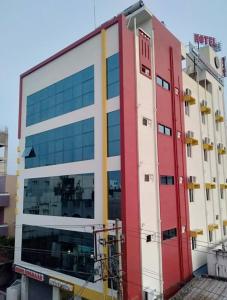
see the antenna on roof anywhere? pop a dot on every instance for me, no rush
(94, 14)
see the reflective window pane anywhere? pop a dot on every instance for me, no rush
(73, 142)
(113, 82)
(114, 192)
(67, 196)
(63, 251)
(71, 93)
(113, 131)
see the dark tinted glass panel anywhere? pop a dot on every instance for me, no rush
(74, 142)
(113, 123)
(63, 251)
(167, 180)
(170, 180)
(169, 234)
(71, 93)
(166, 85)
(68, 196)
(114, 192)
(163, 83)
(113, 85)
(159, 80)
(167, 131)
(161, 128)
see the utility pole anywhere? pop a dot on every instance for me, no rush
(118, 250)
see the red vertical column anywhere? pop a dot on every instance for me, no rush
(129, 166)
(174, 210)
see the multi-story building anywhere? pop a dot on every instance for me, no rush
(8, 192)
(103, 137)
(3, 151)
(205, 149)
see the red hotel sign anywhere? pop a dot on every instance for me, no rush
(29, 273)
(205, 40)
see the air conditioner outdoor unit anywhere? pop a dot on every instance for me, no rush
(188, 92)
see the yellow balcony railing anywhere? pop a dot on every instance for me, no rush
(193, 185)
(205, 109)
(208, 147)
(191, 141)
(210, 186)
(196, 232)
(219, 118)
(212, 227)
(221, 151)
(223, 186)
(189, 99)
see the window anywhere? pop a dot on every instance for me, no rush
(148, 177)
(208, 194)
(163, 83)
(71, 93)
(164, 129)
(64, 251)
(203, 118)
(167, 180)
(219, 158)
(29, 152)
(74, 142)
(191, 195)
(113, 124)
(189, 150)
(210, 235)
(114, 195)
(187, 108)
(205, 153)
(148, 238)
(224, 229)
(144, 54)
(146, 121)
(222, 193)
(113, 83)
(194, 243)
(169, 234)
(67, 196)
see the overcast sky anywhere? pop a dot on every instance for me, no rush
(31, 31)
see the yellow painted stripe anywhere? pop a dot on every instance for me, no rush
(90, 294)
(104, 158)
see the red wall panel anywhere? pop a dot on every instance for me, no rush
(129, 166)
(176, 254)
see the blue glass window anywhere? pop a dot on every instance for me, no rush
(73, 142)
(114, 195)
(71, 93)
(113, 124)
(68, 196)
(64, 251)
(113, 84)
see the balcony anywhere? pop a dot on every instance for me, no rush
(4, 199)
(4, 230)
